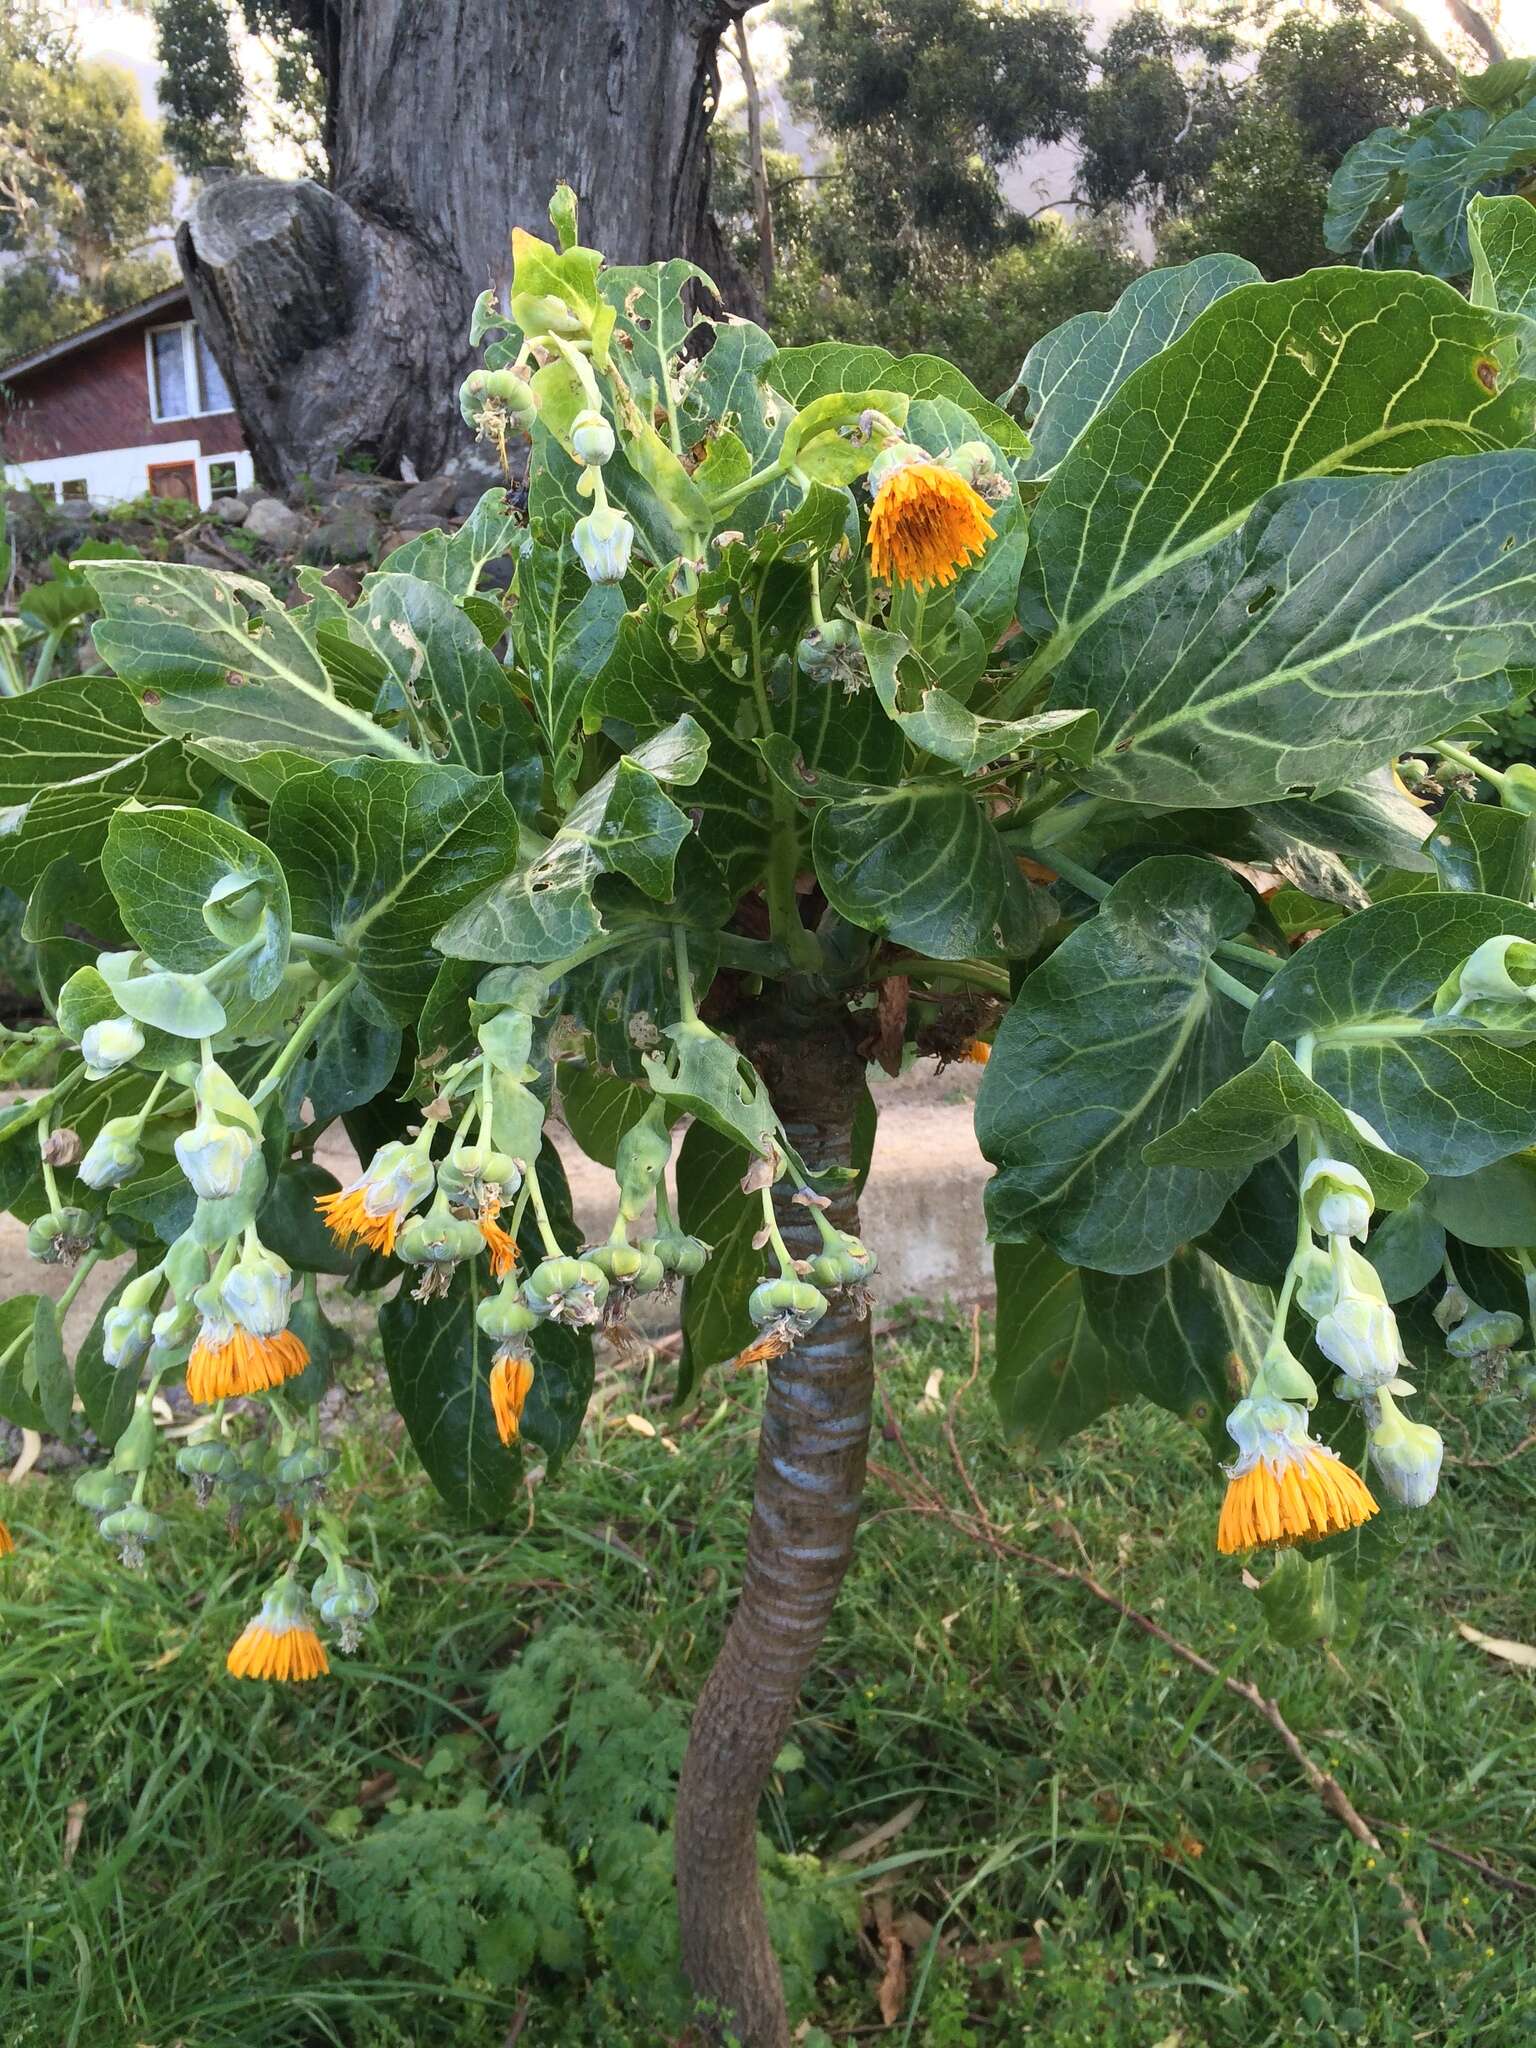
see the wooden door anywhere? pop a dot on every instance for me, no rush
(173, 480)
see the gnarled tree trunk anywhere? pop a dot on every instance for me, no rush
(810, 1478)
(340, 315)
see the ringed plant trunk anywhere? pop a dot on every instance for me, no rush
(810, 1479)
(339, 314)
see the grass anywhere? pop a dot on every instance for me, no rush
(1114, 1851)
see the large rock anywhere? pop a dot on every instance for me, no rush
(277, 524)
(350, 534)
(229, 511)
(427, 502)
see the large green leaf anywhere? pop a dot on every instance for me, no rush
(1186, 1335)
(439, 1365)
(461, 698)
(1463, 152)
(711, 1205)
(1347, 619)
(1502, 235)
(1452, 1096)
(727, 390)
(1113, 1040)
(190, 886)
(647, 300)
(922, 865)
(70, 754)
(625, 824)
(1495, 1207)
(1349, 373)
(202, 665)
(566, 626)
(19, 1394)
(1260, 1111)
(455, 560)
(1072, 371)
(806, 374)
(380, 853)
(1484, 848)
(1365, 181)
(1053, 1376)
(599, 1108)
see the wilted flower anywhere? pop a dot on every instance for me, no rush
(244, 1345)
(369, 1210)
(280, 1643)
(511, 1379)
(927, 523)
(1284, 1486)
(7, 1541)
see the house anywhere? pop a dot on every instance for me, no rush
(134, 403)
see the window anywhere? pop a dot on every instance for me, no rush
(74, 487)
(210, 379)
(221, 480)
(184, 379)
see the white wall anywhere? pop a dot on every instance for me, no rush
(115, 474)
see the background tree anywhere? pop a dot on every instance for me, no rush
(340, 311)
(84, 187)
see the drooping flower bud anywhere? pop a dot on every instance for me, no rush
(101, 1489)
(505, 1317)
(1406, 1456)
(369, 1210)
(346, 1599)
(61, 1237)
(1317, 1284)
(109, 1045)
(1337, 1199)
(126, 1335)
(207, 1464)
(113, 1155)
(845, 1262)
(258, 1291)
(603, 540)
(784, 1298)
(214, 1156)
(678, 1252)
(1483, 1330)
(437, 1242)
(1360, 1337)
(592, 439)
(1282, 1374)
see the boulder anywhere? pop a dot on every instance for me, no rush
(229, 511)
(424, 504)
(270, 520)
(350, 534)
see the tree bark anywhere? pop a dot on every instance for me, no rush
(810, 1478)
(340, 316)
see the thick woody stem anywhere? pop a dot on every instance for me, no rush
(810, 1478)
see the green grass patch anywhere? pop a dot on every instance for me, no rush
(470, 1820)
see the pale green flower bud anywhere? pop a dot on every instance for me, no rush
(795, 1300)
(592, 439)
(113, 1155)
(214, 1156)
(1337, 1199)
(126, 1335)
(1406, 1457)
(258, 1292)
(61, 1237)
(566, 1290)
(1502, 969)
(111, 1044)
(438, 1238)
(1360, 1337)
(1282, 1374)
(505, 1316)
(678, 1252)
(603, 541)
(1317, 1285)
(101, 1489)
(131, 1527)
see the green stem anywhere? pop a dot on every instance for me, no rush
(303, 1032)
(52, 641)
(76, 1282)
(1471, 764)
(684, 976)
(775, 1239)
(541, 1215)
(722, 503)
(1229, 985)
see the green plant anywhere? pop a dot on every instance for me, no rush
(1402, 195)
(766, 784)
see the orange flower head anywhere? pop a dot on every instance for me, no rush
(501, 1245)
(1284, 1487)
(927, 524)
(281, 1642)
(370, 1209)
(227, 1360)
(7, 1541)
(511, 1378)
(975, 1052)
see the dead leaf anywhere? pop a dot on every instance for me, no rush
(891, 1994)
(74, 1827)
(929, 1403)
(890, 1034)
(1501, 1647)
(640, 1424)
(887, 1831)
